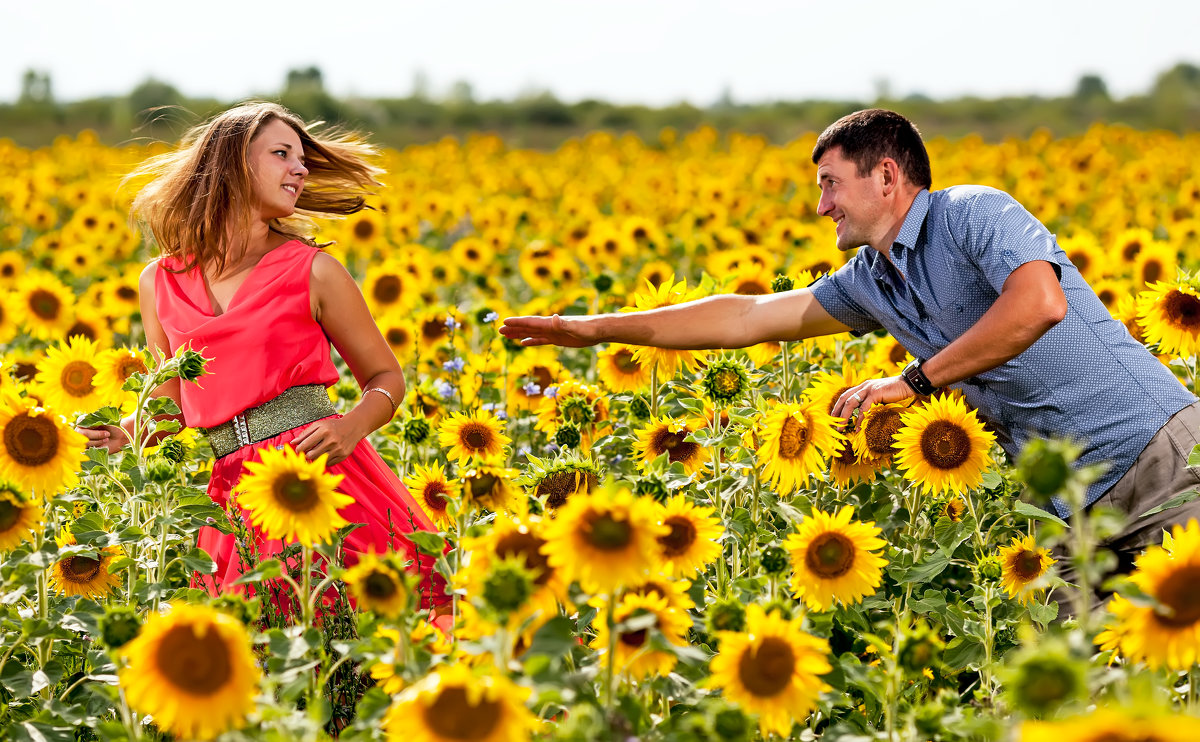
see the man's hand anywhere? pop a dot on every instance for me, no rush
(553, 330)
(873, 391)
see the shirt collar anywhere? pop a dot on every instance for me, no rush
(913, 222)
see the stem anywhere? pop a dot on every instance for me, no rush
(305, 583)
(787, 373)
(610, 681)
(985, 672)
(654, 390)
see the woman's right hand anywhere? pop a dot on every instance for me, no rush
(112, 437)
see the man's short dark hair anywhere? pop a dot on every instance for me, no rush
(866, 137)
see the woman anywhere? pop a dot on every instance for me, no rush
(240, 281)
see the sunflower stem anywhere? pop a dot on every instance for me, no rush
(305, 584)
(1193, 677)
(985, 672)
(610, 680)
(654, 391)
(787, 373)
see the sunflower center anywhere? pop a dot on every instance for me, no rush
(1178, 593)
(945, 445)
(76, 378)
(127, 367)
(528, 547)
(80, 568)
(364, 230)
(45, 304)
(24, 370)
(727, 382)
(674, 445)
(194, 662)
(750, 287)
(294, 493)
(833, 400)
(9, 515)
(82, 328)
(30, 441)
(681, 537)
(396, 337)
(1027, 565)
(1131, 249)
(476, 436)
(1081, 261)
(880, 429)
(634, 639)
(897, 354)
(453, 716)
(380, 586)
(607, 533)
(562, 484)
(387, 289)
(830, 555)
(623, 360)
(767, 670)
(1183, 311)
(433, 330)
(126, 293)
(1151, 271)
(434, 495)
(482, 484)
(793, 438)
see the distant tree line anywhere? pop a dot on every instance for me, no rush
(157, 110)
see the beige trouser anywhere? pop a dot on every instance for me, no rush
(1159, 473)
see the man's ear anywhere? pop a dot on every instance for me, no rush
(889, 175)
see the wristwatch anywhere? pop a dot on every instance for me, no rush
(917, 379)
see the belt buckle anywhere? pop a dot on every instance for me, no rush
(241, 430)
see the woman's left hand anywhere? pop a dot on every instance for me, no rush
(328, 436)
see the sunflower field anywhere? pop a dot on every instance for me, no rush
(642, 544)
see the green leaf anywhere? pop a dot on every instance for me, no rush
(1043, 614)
(1175, 501)
(36, 731)
(1033, 512)
(991, 479)
(949, 534)
(264, 570)
(1194, 458)
(102, 416)
(933, 566)
(555, 638)
(198, 560)
(961, 652)
(162, 406)
(427, 542)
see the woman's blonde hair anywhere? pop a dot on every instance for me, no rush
(198, 201)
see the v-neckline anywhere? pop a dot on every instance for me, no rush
(237, 293)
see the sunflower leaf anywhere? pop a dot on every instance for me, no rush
(1174, 502)
(103, 416)
(427, 542)
(962, 652)
(949, 534)
(1033, 512)
(268, 569)
(933, 566)
(1194, 457)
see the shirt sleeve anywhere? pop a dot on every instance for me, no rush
(836, 292)
(999, 236)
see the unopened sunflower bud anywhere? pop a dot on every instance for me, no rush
(507, 586)
(990, 568)
(119, 625)
(159, 469)
(727, 614)
(1045, 466)
(347, 391)
(725, 380)
(652, 487)
(774, 560)
(639, 407)
(781, 608)
(782, 283)
(731, 724)
(173, 449)
(191, 365)
(568, 436)
(416, 431)
(603, 283)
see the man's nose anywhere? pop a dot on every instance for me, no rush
(825, 205)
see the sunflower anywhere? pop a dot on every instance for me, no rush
(1166, 633)
(1155, 262)
(634, 655)
(292, 498)
(619, 371)
(65, 379)
(530, 375)
(519, 538)
(432, 492)
(555, 482)
(667, 361)
(388, 672)
(1113, 725)
(694, 538)
(847, 469)
(888, 357)
(454, 704)
(488, 486)
(773, 669)
(605, 540)
(826, 387)
(12, 267)
(665, 436)
(574, 403)
(479, 435)
(93, 327)
(8, 323)
(473, 254)
(832, 559)
(874, 436)
(1085, 253)
(655, 273)
(675, 590)
(400, 335)
(387, 287)
(192, 670)
(113, 369)
(44, 306)
(1169, 315)
(82, 574)
(1128, 244)
(377, 586)
(796, 437)
(943, 446)
(1024, 563)
(18, 517)
(40, 452)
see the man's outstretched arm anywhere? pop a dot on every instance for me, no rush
(725, 321)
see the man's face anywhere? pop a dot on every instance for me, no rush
(855, 203)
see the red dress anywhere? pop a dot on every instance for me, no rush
(265, 342)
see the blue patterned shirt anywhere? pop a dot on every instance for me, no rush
(1086, 378)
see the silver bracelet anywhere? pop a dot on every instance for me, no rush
(385, 393)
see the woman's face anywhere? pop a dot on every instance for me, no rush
(277, 169)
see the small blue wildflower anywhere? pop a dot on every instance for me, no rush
(531, 389)
(491, 317)
(451, 323)
(551, 392)
(444, 388)
(455, 365)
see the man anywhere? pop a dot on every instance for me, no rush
(977, 290)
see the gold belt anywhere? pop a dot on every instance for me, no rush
(295, 406)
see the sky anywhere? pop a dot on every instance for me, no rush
(652, 52)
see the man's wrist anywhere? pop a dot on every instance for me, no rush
(916, 379)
